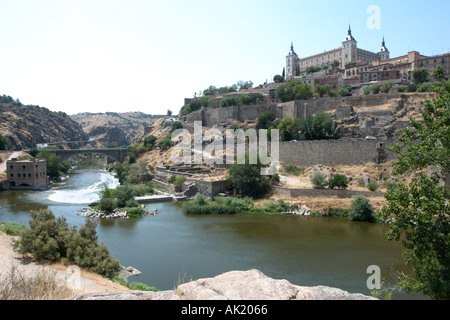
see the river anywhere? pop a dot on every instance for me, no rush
(172, 248)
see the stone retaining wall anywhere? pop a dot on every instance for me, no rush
(312, 193)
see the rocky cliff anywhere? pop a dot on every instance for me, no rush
(27, 125)
(114, 129)
(235, 285)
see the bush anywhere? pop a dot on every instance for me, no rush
(165, 143)
(318, 180)
(362, 210)
(276, 207)
(52, 239)
(123, 194)
(142, 189)
(134, 212)
(246, 181)
(373, 186)
(107, 204)
(11, 228)
(338, 181)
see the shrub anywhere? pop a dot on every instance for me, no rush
(191, 207)
(338, 181)
(134, 212)
(107, 204)
(373, 186)
(276, 207)
(123, 194)
(11, 228)
(200, 199)
(52, 239)
(318, 180)
(142, 189)
(246, 180)
(362, 210)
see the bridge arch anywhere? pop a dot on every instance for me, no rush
(117, 155)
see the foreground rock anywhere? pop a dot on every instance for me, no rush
(235, 285)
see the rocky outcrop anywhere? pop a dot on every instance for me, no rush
(235, 285)
(25, 126)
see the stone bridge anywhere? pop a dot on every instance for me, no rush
(117, 155)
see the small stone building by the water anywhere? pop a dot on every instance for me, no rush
(27, 174)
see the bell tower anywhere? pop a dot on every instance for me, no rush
(384, 53)
(349, 48)
(291, 63)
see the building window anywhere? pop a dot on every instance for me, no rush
(12, 175)
(11, 167)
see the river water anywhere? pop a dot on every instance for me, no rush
(172, 248)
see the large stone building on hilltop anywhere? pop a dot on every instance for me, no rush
(346, 53)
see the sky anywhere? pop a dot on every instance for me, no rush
(145, 55)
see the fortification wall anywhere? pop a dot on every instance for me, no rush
(295, 109)
(333, 152)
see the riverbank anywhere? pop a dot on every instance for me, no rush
(24, 266)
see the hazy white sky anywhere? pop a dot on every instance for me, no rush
(146, 55)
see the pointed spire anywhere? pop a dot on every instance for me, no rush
(349, 35)
(292, 52)
(383, 46)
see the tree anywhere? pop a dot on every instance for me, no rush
(335, 64)
(420, 211)
(278, 79)
(246, 180)
(289, 128)
(3, 142)
(420, 76)
(320, 126)
(318, 180)
(439, 74)
(266, 119)
(362, 210)
(323, 90)
(169, 113)
(149, 141)
(53, 163)
(338, 181)
(294, 90)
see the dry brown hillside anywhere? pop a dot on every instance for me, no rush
(115, 129)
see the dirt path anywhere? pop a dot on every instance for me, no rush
(78, 280)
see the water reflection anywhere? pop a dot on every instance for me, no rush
(307, 251)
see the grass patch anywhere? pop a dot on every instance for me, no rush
(137, 286)
(11, 228)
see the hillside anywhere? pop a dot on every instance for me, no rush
(27, 125)
(113, 129)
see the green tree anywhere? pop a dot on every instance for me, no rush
(289, 128)
(278, 79)
(318, 180)
(3, 142)
(123, 194)
(323, 90)
(420, 211)
(322, 126)
(53, 163)
(420, 76)
(266, 119)
(439, 74)
(246, 180)
(149, 141)
(362, 210)
(316, 127)
(338, 181)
